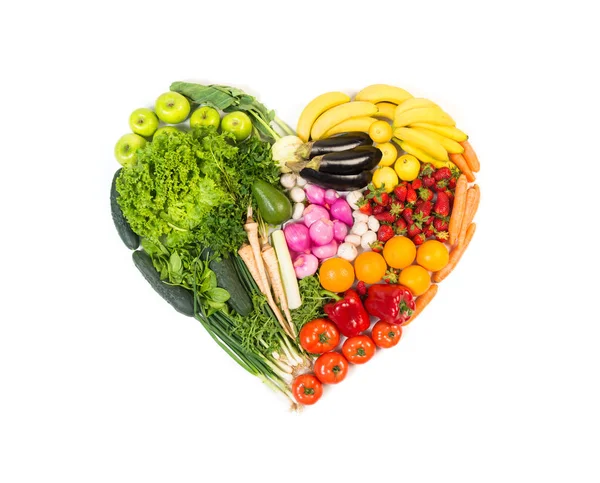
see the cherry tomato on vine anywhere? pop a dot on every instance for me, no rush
(331, 368)
(319, 336)
(359, 349)
(307, 389)
(386, 335)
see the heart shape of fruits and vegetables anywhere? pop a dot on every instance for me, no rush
(301, 253)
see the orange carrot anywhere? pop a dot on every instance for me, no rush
(455, 256)
(471, 205)
(461, 163)
(458, 209)
(422, 302)
(470, 156)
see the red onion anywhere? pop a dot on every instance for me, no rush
(305, 265)
(313, 213)
(325, 251)
(331, 196)
(340, 230)
(315, 194)
(321, 232)
(296, 236)
(340, 210)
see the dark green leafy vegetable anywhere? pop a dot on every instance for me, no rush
(194, 188)
(230, 99)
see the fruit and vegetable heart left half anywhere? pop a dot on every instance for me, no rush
(302, 252)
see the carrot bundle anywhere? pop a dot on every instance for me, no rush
(470, 156)
(455, 255)
(471, 205)
(458, 209)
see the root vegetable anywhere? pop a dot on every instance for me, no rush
(471, 205)
(325, 251)
(314, 213)
(305, 265)
(455, 256)
(458, 209)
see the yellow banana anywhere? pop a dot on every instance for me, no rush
(431, 115)
(315, 108)
(414, 103)
(423, 142)
(423, 156)
(449, 145)
(382, 93)
(356, 124)
(340, 113)
(386, 110)
(447, 131)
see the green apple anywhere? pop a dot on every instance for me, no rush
(143, 122)
(172, 107)
(126, 148)
(165, 130)
(238, 123)
(205, 116)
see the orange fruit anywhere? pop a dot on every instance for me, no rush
(380, 132)
(433, 255)
(389, 153)
(415, 278)
(336, 275)
(399, 252)
(369, 267)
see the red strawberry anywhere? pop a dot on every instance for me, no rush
(400, 191)
(378, 209)
(420, 219)
(441, 236)
(416, 184)
(428, 231)
(425, 194)
(361, 288)
(424, 207)
(442, 204)
(413, 230)
(440, 224)
(377, 246)
(428, 181)
(365, 207)
(391, 276)
(442, 173)
(411, 195)
(427, 169)
(452, 183)
(450, 196)
(400, 227)
(384, 233)
(396, 208)
(418, 239)
(382, 199)
(441, 185)
(385, 217)
(407, 214)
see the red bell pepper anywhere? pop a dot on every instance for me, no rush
(393, 304)
(348, 313)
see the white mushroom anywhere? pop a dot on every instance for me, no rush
(347, 251)
(353, 239)
(360, 217)
(288, 180)
(353, 197)
(373, 223)
(297, 211)
(297, 194)
(359, 228)
(367, 239)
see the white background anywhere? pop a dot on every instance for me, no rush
(100, 380)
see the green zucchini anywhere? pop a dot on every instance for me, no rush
(228, 279)
(129, 237)
(181, 299)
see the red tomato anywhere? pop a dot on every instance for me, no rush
(307, 389)
(331, 368)
(359, 349)
(386, 335)
(319, 336)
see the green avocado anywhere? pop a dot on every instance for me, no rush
(274, 206)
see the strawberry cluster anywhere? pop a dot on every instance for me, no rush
(419, 209)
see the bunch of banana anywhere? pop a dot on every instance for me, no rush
(424, 130)
(333, 112)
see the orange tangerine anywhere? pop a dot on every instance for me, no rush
(399, 252)
(433, 255)
(336, 275)
(370, 267)
(415, 278)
